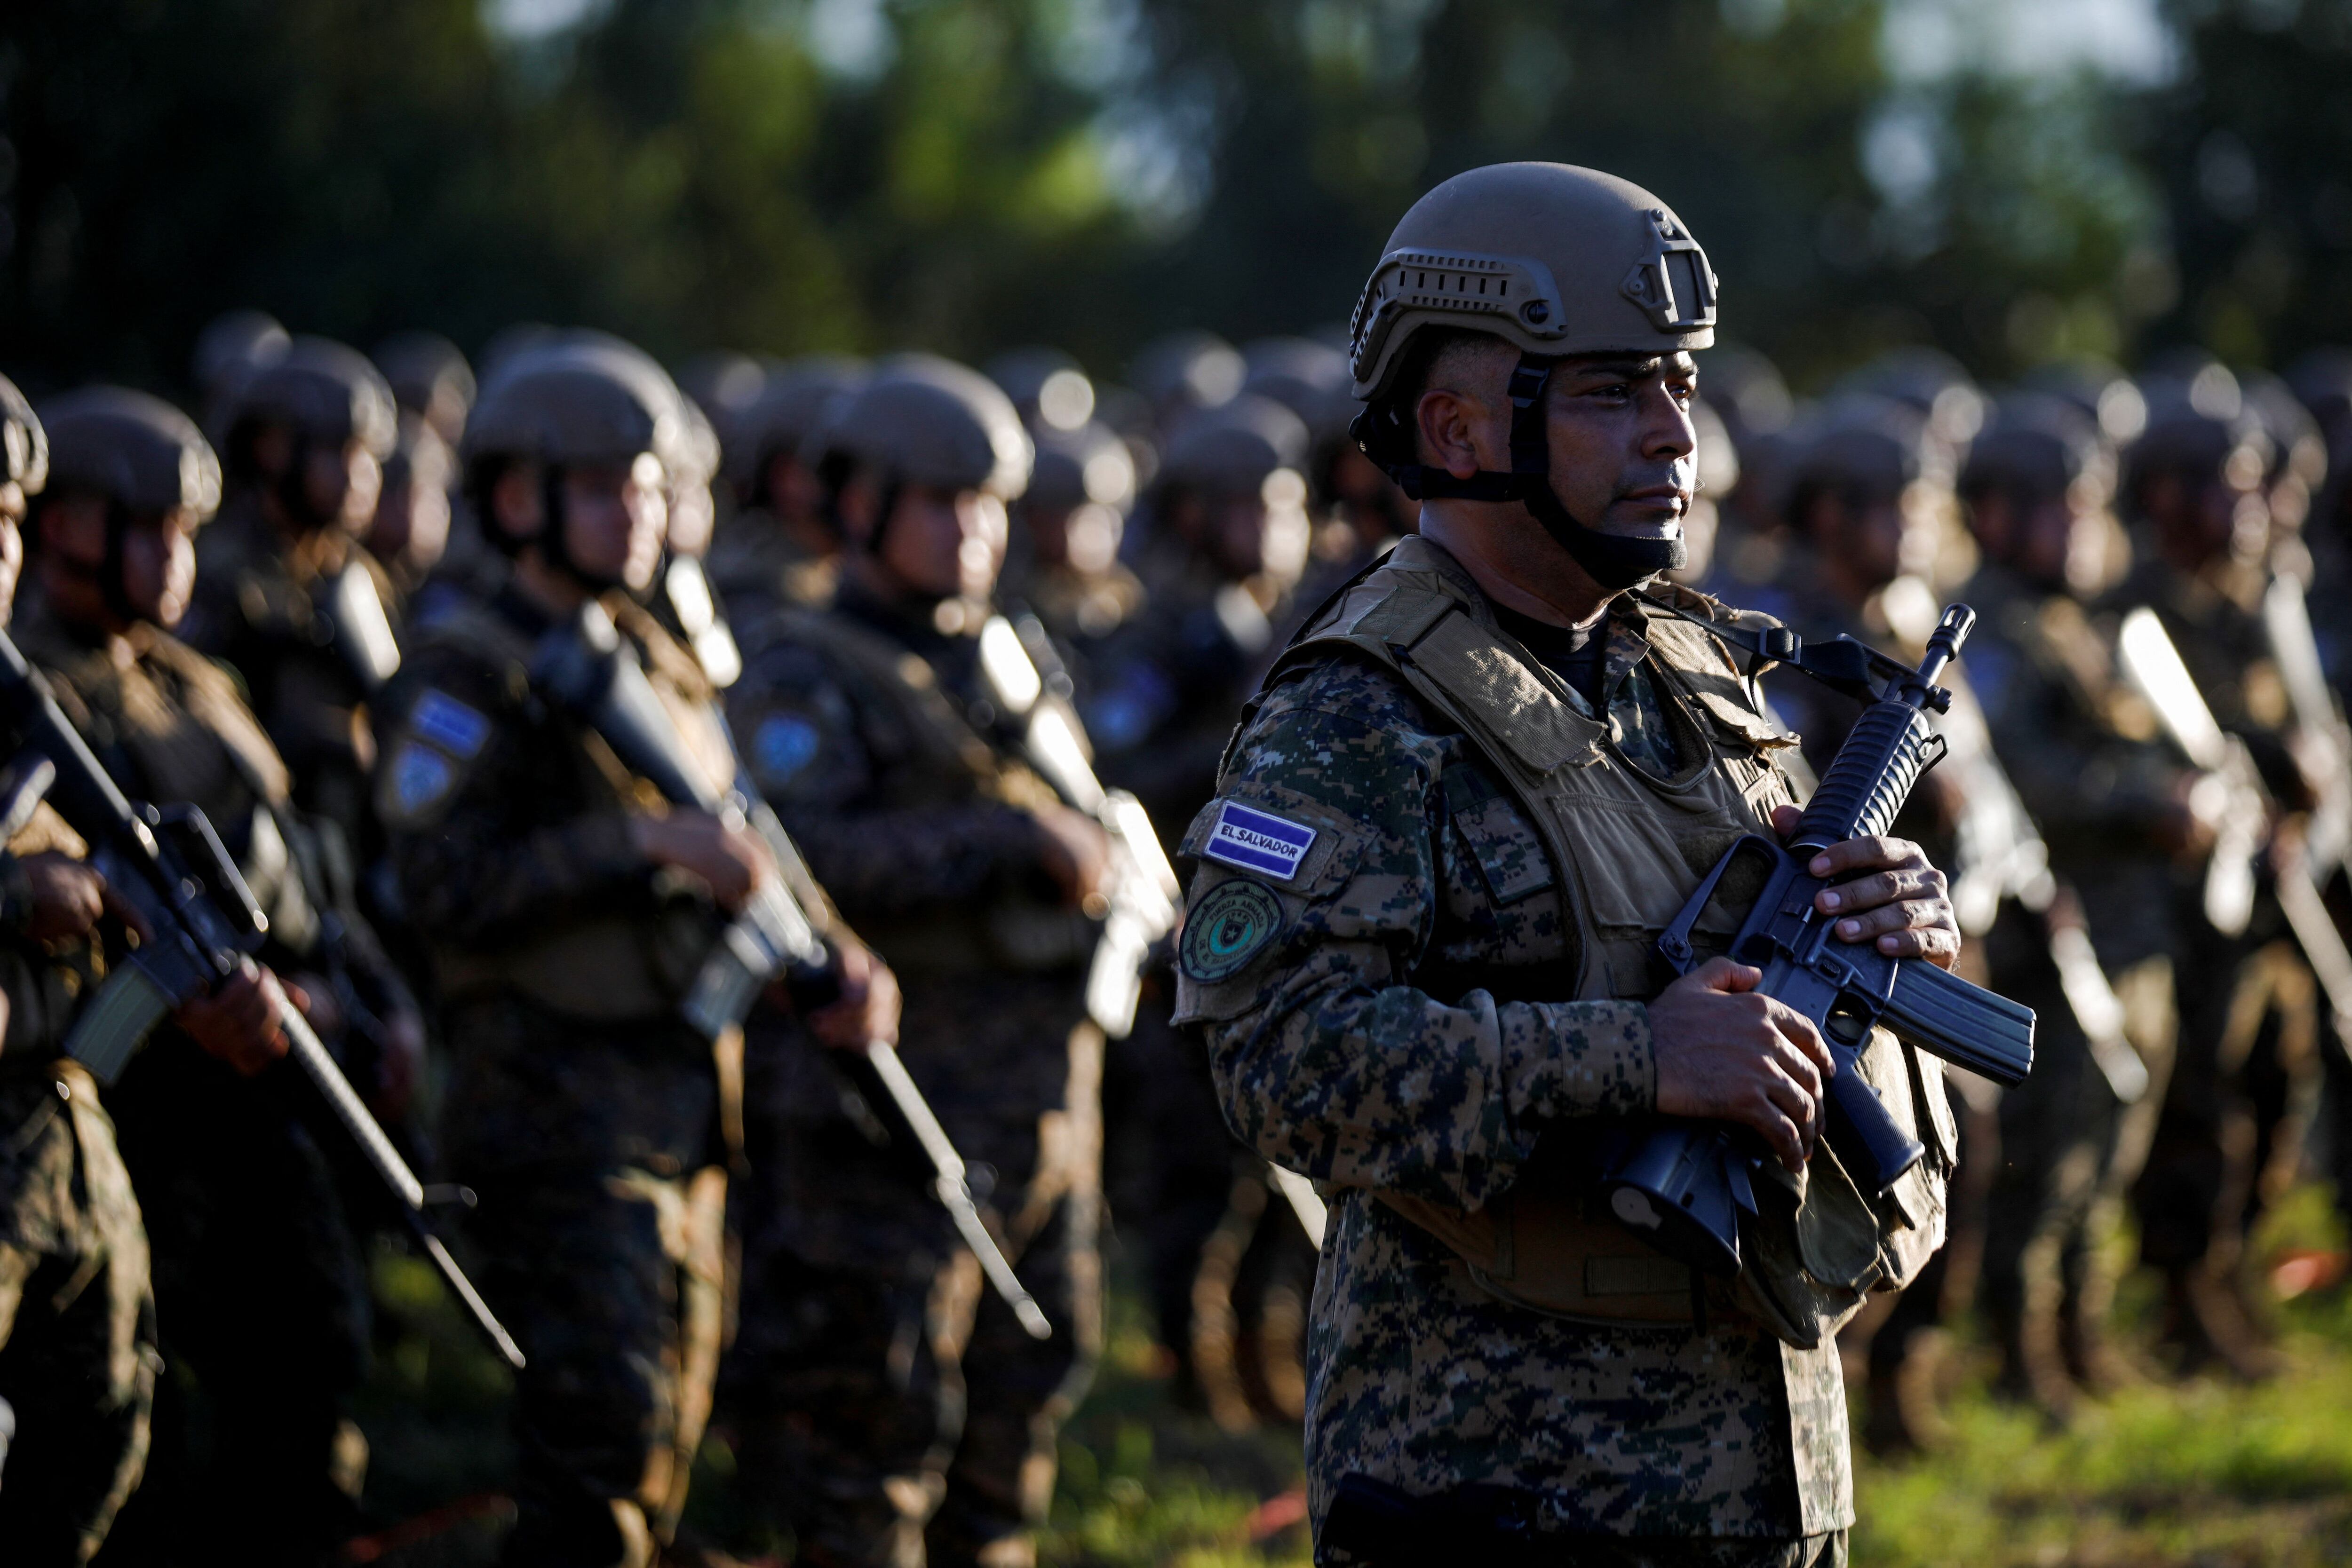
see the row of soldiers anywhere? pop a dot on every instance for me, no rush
(492, 919)
(327, 626)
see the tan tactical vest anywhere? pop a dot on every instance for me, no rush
(606, 967)
(1631, 849)
(938, 758)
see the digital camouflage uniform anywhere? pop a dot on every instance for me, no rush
(2230, 1135)
(78, 1354)
(582, 1109)
(2085, 762)
(260, 1290)
(1416, 1004)
(905, 1412)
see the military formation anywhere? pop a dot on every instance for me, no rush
(807, 859)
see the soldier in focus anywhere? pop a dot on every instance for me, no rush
(566, 914)
(285, 592)
(906, 1417)
(779, 548)
(1418, 944)
(252, 1444)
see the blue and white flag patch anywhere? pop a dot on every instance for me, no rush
(449, 725)
(1255, 841)
(420, 778)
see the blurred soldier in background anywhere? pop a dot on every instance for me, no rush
(78, 1353)
(1228, 538)
(429, 378)
(231, 347)
(410, 533)
(2112, 808)
(2195, 486)
(284, 592)
(778, 546)
(1180, 373)
(1069, 526)
(907, 1418)
(242, 1208)
(565, 922)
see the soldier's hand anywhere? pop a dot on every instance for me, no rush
(729, 856)
(1075, 852)
(67, 897)
(1727, 1053)
(1894, 899)
(237, 1019)
(867, 1011)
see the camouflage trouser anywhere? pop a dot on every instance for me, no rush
(601, 1230)
(77, 1323)
(262, 1302)
(2070, 1155)
(2242, 1091)
(890, 1408)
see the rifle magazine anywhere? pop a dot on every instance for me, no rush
(117, 1022)
(1965, 1024)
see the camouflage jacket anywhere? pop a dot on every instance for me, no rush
(1404, 1015)
(508, 822)
(865, 730)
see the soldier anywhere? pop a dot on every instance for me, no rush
(565, 916)
(2112, 809)
(2194, 486)
(252, 1443)
(1358, 511)
(410, 532)
(778, 547)
(907, 1418)
(1228, 540)
(1418, 944)
(1071, 520)
(77, 1320)
(429, 378)
(285, 593)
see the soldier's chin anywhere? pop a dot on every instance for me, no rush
(1640, 528)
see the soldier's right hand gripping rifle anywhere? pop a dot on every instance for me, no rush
(2246, 812)
(1144, 890)
(171, 867)
(1683, 1186)
(584, 665)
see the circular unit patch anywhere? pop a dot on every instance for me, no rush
(1232, 926)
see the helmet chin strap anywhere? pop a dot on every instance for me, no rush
(1613, 562)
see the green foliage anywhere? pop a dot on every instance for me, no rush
(694, 173)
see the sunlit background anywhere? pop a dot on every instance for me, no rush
(2012, 180)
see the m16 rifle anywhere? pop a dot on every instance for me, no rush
(1684, 1185)
(584, 665)
(1144, 890)
(2155, 668)
(169, 866)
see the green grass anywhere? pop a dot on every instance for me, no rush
(2209, 1474)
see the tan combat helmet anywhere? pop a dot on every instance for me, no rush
(560, 405)
(136, 450)
(1556, 261)
(923, 420)
(24, 446)
(324, 392)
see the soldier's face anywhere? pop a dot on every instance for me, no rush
(615, 515)
(159, 567)
(342, 484)
(1624, 454)
(945, 543)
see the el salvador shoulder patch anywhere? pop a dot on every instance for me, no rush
(1256, 840)
(419, 779)
(1228, 929)
(449, 724)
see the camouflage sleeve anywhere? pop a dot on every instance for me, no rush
(1328, 1060)
(471, 842)
(815, 756)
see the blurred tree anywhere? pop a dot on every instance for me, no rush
(2254, 146)
(964, 174)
